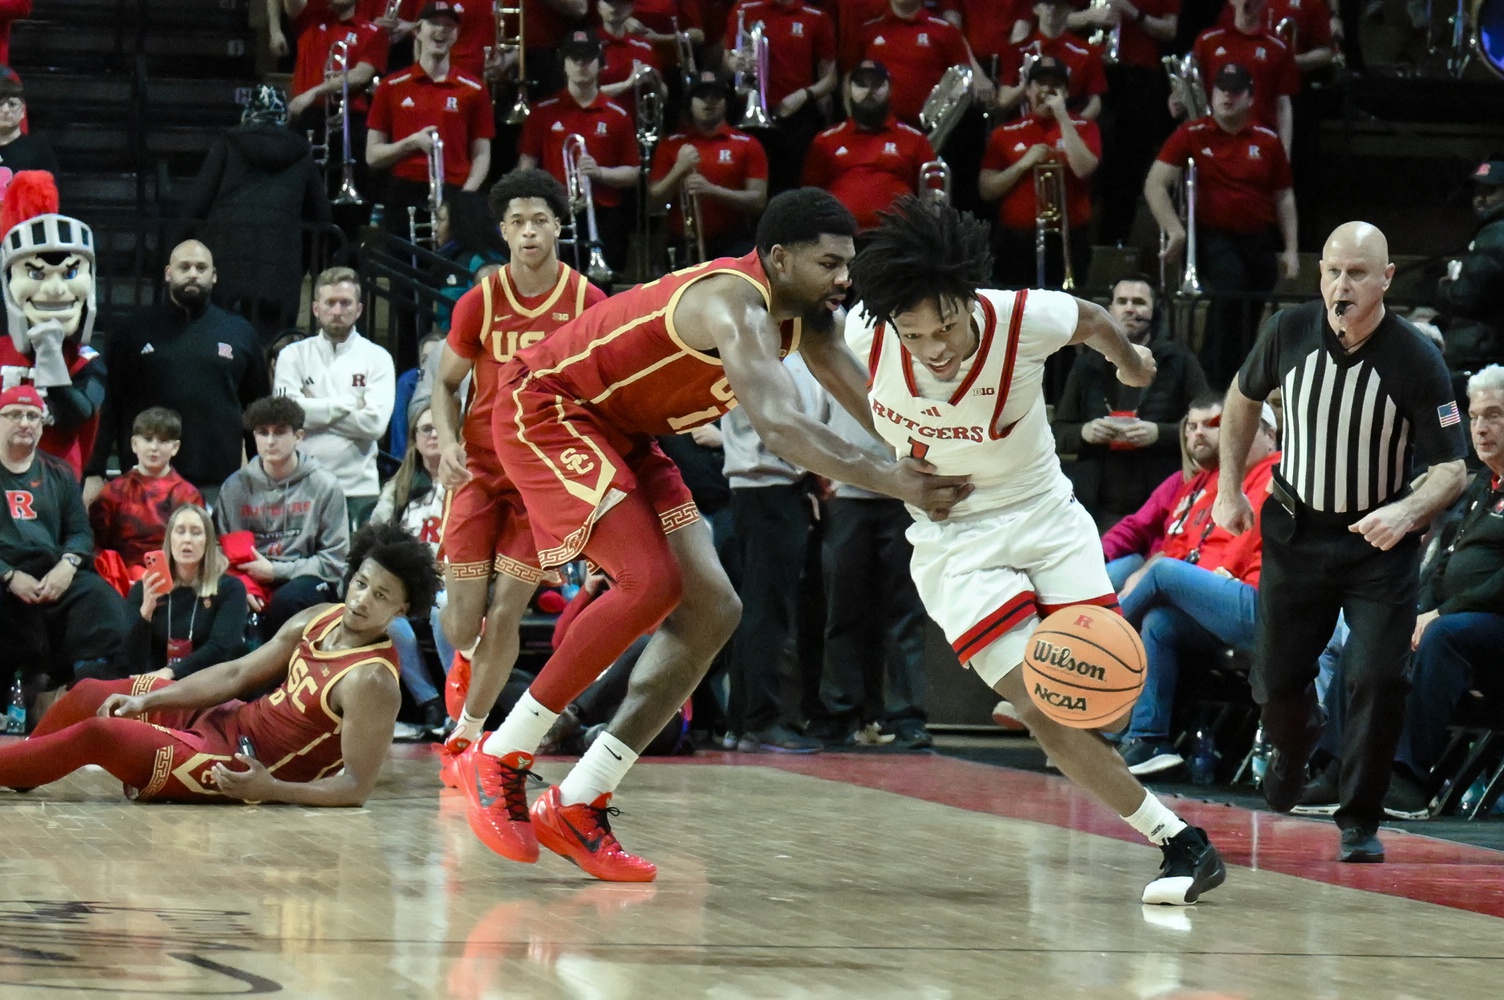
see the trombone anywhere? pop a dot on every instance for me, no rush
(511, 39)
(934, 182)
(1190, 280)
(688, 69)
(1051, 216)
(694, 226)
(752, 84)
(337, 116)
(649, 132)
(427, 233)
(582, 198)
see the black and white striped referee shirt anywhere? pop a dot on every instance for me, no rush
(1356, 425)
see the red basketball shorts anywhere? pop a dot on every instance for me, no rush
(486, 527)
(571, 468)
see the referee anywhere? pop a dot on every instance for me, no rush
(1367, 398)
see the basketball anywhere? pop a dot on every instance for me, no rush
(1085, 666)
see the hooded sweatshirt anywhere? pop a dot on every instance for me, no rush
(300, 524)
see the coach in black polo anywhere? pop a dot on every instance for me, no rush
(1367, 401)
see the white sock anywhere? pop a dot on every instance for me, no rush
(1155, 820)
(523, 729)
(601, 769)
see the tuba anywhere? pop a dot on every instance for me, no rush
(1190, 280)
(946, 104)
(1186, 85)
(1051, 216)
(427, 233)
(752, 84)
(934, 182)
(582, 199)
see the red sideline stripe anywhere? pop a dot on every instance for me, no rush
(999, 622)
(1108, 601)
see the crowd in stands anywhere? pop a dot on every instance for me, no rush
(255, 456)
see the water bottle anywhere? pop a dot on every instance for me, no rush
(252, 631)
(15, 714)
(1203, 757)
(1259, 762)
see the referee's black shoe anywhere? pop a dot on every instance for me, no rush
(1284, 779)
(1361, 845)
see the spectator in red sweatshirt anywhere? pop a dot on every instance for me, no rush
(130, 515)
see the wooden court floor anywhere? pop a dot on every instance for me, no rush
(914, 877)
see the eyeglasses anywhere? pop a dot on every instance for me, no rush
(22, 416)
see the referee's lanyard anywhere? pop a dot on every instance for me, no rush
(180, 649)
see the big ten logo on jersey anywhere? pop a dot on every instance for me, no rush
(721, 390)
(507, 343)
(576, 461)
(299, 682)
(21, 504)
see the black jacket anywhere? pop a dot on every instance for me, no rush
(257, 186)
(216, 625)
(205, 364)
(1474, 303)
(1469, 575)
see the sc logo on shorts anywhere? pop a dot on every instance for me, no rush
(576, 461)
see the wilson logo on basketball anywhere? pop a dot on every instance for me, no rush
(1061, 657)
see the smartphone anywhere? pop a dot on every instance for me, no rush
(153, 559)
(247, 748)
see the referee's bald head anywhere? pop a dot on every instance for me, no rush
(1358, 239)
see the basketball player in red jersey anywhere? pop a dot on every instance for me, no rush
(319, 739)
(573, 426)
(486, 542)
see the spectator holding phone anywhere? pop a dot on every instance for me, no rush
(190, 611)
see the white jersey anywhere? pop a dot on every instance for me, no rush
(989, 422)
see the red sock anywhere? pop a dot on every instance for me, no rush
(127, 748)
(80, 703)
(628, 543)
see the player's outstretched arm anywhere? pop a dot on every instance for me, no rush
(1096, 328)
(367, 699)
(444, 405)
(747, 340)
(842, 374)
(216, 685)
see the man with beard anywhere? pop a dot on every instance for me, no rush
(1125, 439)
(189, 355)
(871, 159)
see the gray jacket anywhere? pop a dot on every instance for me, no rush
(749, 464)
(300, 523)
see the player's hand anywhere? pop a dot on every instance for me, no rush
(26, 587)
(122, 706)
(983, 89)
(1383, 528)
(1142, 373)
(917, 484)
(1037, 154)
(453, 471)
(253, 784)
(1177, 110)
(1233, 512)
(1422, 620)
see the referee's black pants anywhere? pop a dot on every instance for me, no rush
(1310, 572)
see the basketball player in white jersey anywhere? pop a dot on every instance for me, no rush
(955, 379)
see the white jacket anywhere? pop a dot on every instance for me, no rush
(347, 392)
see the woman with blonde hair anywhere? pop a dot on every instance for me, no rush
(190, 612)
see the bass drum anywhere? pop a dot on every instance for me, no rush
(1488, 32)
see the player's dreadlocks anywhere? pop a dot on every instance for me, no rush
(401, 555)
(920, 251)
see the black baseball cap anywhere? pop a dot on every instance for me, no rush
(708, 79)
(439, 9)
(1049, 68)
(1489, 173)
(581, 46)
(869, 73)
(1233, 78)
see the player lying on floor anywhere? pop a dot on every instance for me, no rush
(318, 739)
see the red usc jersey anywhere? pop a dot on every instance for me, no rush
(294, 728)
(625, 361)
(492, 322)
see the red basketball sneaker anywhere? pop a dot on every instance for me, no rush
(497, 792)
(448, 765)
(582, 833)
(457, 685)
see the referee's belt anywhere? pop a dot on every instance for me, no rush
(1303, 513)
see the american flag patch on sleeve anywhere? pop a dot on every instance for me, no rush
(1448, 414)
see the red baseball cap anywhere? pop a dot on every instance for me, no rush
(22, 395)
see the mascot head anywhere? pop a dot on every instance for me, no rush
(46, 261)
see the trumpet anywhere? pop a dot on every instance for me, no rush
(1110, 42)
(582, 199)
(1186, 85)
(934, 182)
(946, 104)
(688, 69)
(694, 226)
(509, 39)
(337, 116)
(1051, 216)
(427, 233)
(752, 84)
(1190, 280)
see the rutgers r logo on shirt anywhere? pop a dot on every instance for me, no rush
(725, 156)
(890, 148)
(357, 381)
(451, 104)
(923, 40)
(21, 504)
